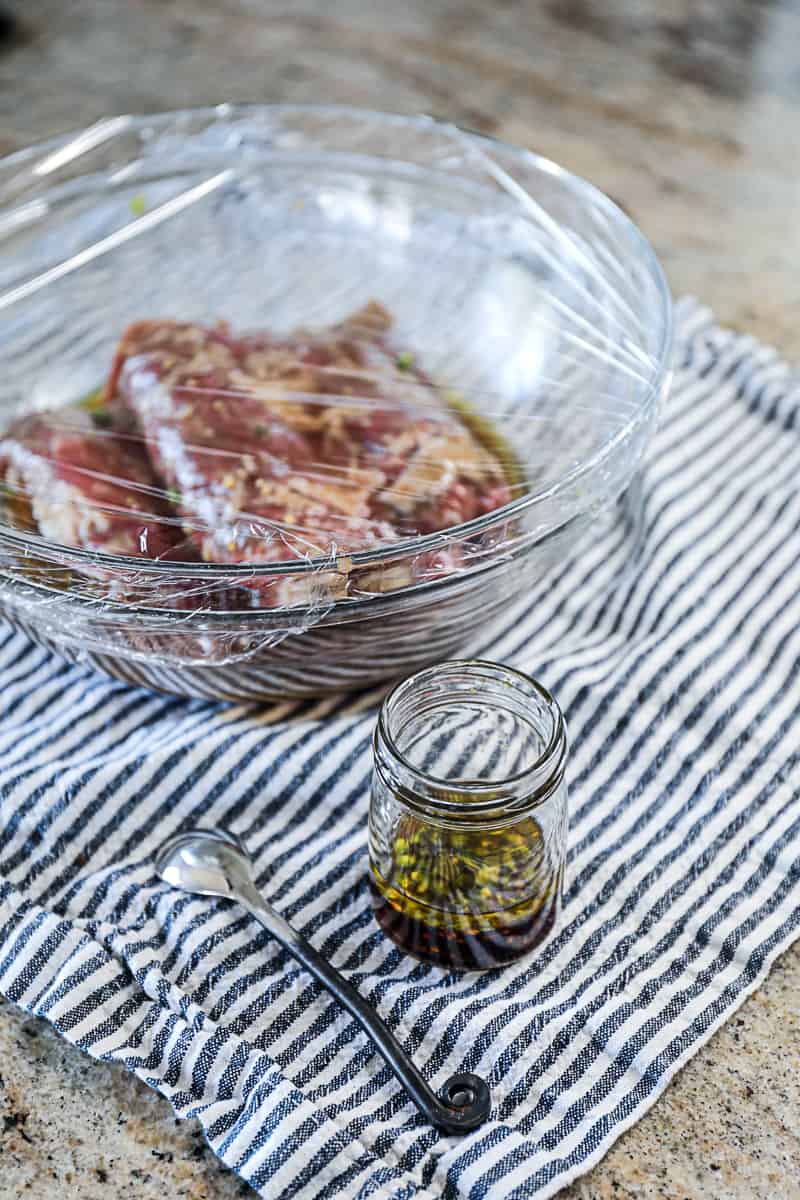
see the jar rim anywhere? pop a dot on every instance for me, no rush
(515, 793)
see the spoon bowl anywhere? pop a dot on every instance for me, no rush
(205, 861)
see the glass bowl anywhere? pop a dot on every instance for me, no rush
(518, 286)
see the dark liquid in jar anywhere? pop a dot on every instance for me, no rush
(470, 899)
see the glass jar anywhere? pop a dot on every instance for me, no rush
(468, 816)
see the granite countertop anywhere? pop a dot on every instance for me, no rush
(687, 114)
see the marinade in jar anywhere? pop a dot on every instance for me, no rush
(470, 898)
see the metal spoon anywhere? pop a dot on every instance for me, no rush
(213, 862)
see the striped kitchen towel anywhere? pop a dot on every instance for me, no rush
(673, 644)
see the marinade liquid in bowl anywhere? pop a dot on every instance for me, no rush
(297, 400)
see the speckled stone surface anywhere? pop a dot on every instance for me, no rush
(686, 112)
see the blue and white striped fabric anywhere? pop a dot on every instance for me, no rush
(679, 679)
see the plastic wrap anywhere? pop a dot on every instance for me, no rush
(299, 399)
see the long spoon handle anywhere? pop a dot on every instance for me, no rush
(465, 1100)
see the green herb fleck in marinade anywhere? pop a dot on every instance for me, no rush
(137, 205)
(404, 360)
(451, 877)
(95, 404)
(94, 401)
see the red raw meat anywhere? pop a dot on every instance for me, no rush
(89, 488)
(369, 408)
(293, 447)
(249, 487)
(253, 450)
